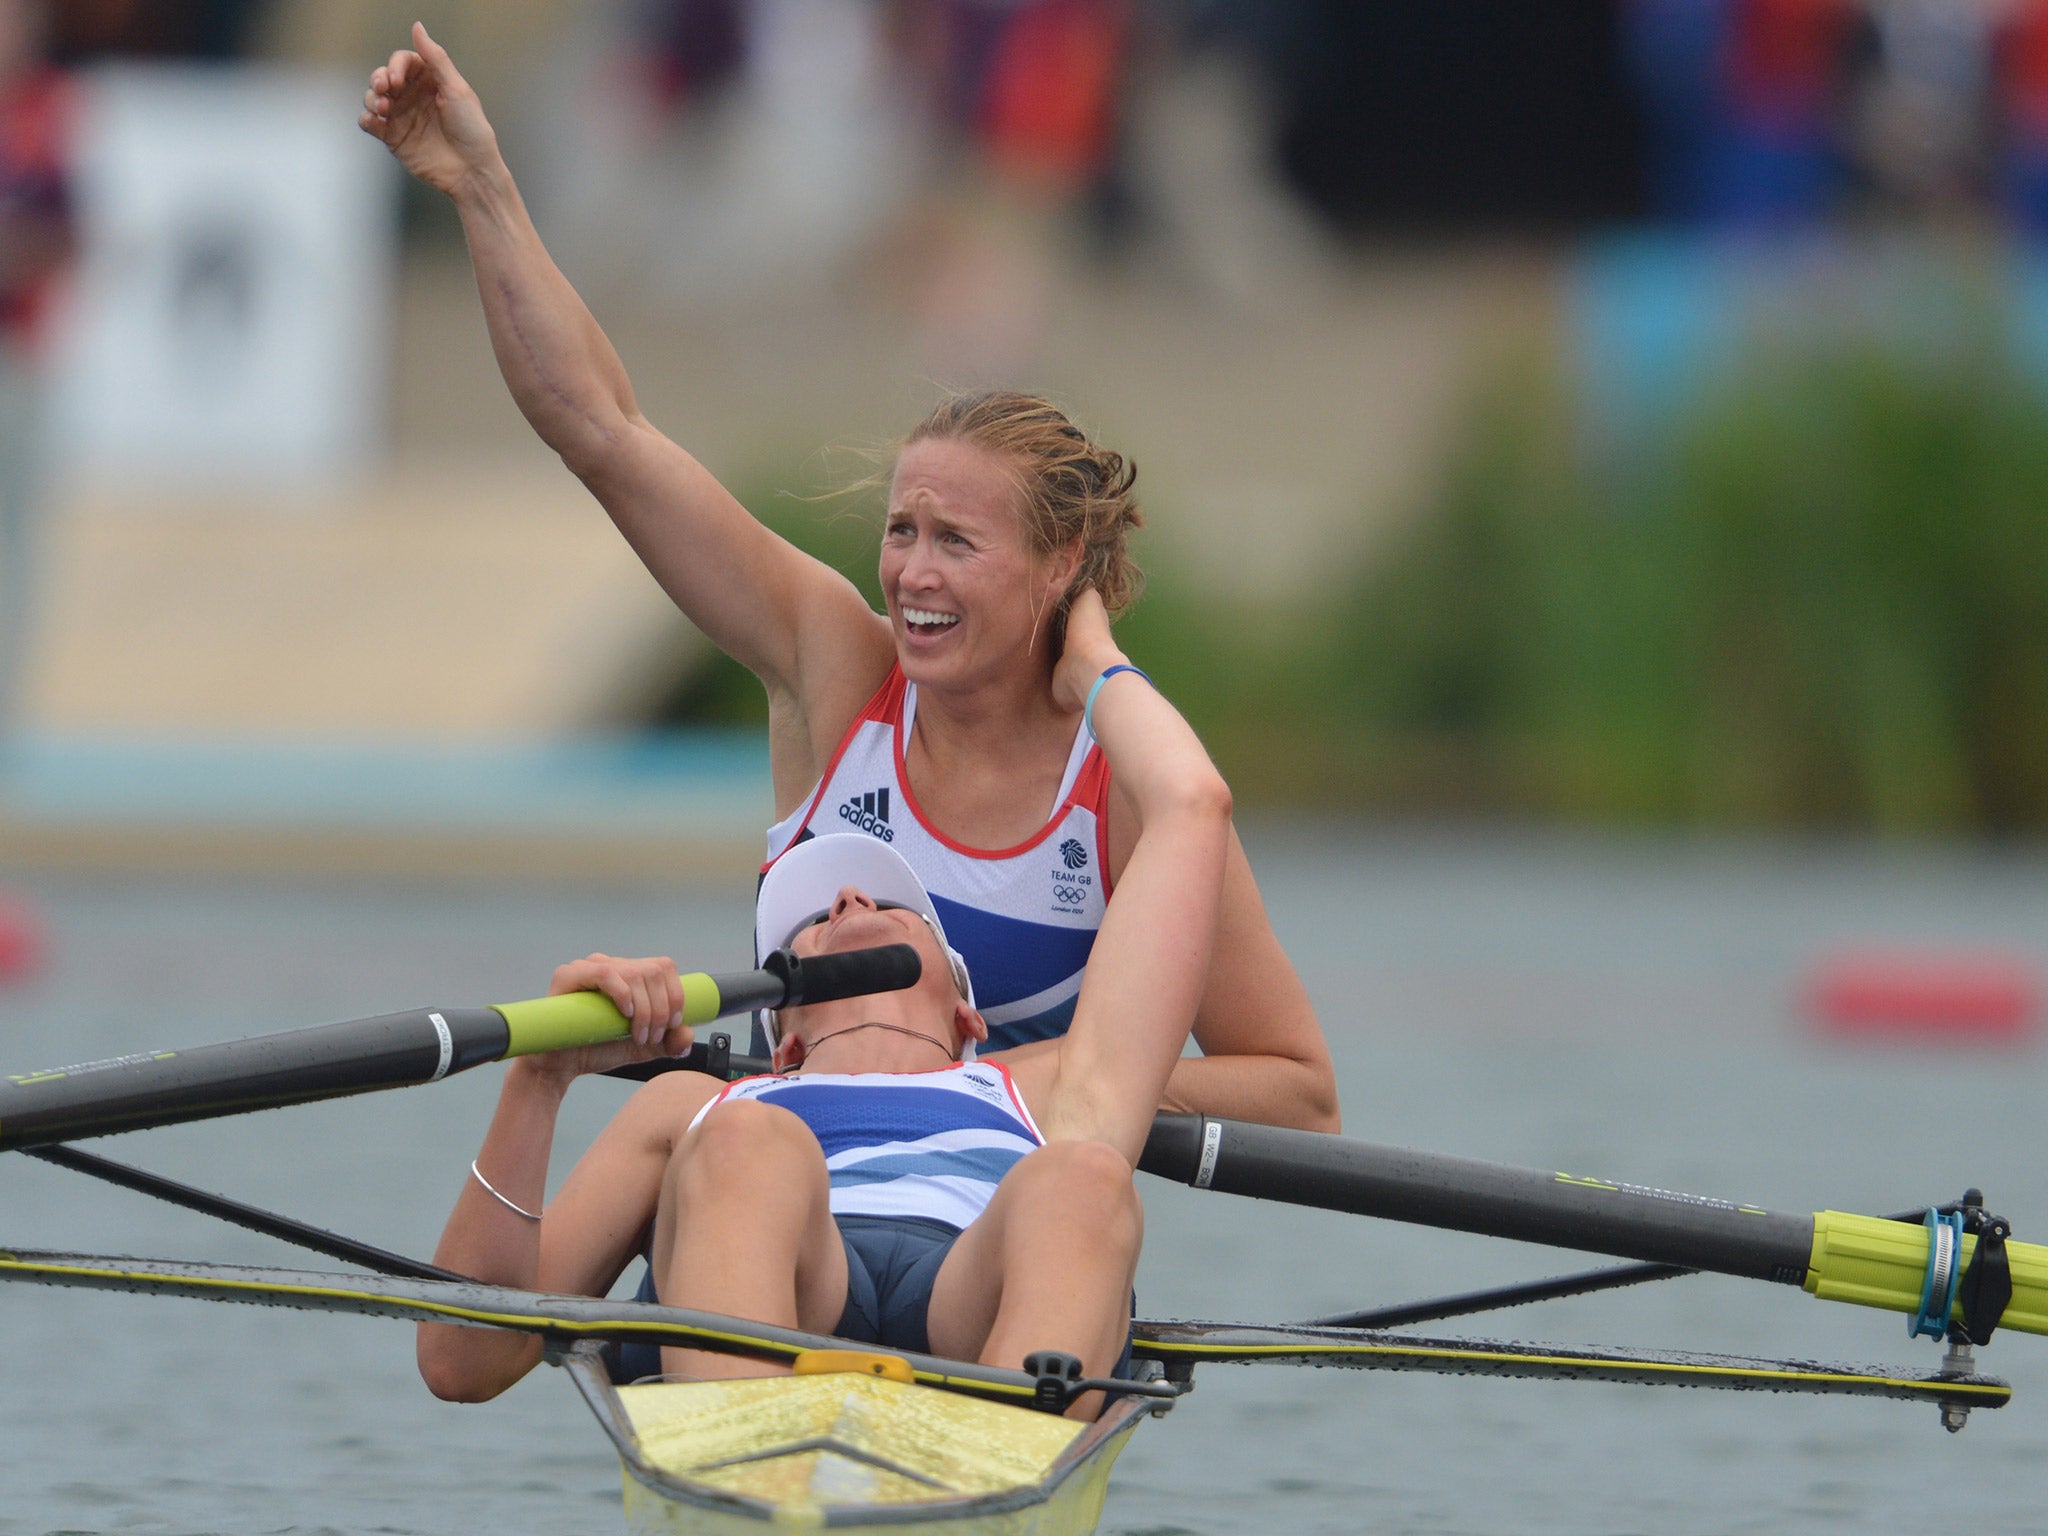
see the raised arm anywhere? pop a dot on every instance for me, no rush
(791, 620)
(1145, 973)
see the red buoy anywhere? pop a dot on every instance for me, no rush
(24, 941)
(1926, 994)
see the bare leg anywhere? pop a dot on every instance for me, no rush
(744, 1227)
(1048, 1265)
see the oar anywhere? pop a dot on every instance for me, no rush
(1868, 1260)
(326, 1061)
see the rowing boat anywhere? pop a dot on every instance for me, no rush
(898, 1442)
(837, 1444)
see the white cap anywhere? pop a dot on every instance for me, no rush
(800, 887)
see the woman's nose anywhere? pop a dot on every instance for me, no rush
(849, 897)
(918, 568)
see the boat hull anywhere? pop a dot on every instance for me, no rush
(850, 1450)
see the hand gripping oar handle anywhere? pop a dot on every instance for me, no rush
(327, 1061)
(1868, 1260)
(784, 981)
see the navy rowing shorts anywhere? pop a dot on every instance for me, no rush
(891, 1262)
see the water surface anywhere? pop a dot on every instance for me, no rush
(1622, 1009)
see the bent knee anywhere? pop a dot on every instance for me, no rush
(1089, 1176)
(1094, 1162)
(745, 1138)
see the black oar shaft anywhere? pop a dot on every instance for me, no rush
(1339, 1174)
(396, 1050)
(326, 1061)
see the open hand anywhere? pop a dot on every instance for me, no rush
(427, 115)
(1089, 650)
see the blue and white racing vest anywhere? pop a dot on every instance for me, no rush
(1024, 917)
(926, 1144)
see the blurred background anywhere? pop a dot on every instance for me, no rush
(1609, 411)
(1595, 460)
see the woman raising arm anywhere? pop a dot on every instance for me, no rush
(933, 726)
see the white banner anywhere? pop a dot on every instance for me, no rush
(232, 314)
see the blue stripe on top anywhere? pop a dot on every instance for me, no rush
(1011, 957)
(987, 1164)
(1048, 1024)
(847, 1116)
(932, 1145)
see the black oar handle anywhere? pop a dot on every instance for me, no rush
(853, 973)
(820, 979)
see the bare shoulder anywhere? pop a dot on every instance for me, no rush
(844, 656)
(842, 661)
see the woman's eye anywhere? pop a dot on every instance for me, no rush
(898, 530)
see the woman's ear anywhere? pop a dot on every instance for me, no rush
(1063, 566)
(968, 1023)
(789, 1052)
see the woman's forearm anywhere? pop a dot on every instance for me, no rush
(485, 1238)
(1146, 972)
(488, 1240)
(1266, 1090)
(561, 368)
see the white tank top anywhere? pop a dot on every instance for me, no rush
(1024, 917)
(927, 1144)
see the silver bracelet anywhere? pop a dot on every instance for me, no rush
(493, 1193)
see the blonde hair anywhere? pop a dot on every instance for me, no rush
(1070, 487)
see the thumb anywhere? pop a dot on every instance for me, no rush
(436, 56)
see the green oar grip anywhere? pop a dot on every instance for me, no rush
(1872, 1262)
(588, 1018)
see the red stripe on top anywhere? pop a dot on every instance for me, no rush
(1091, 788)
(1097, 782)
(1017, 1099)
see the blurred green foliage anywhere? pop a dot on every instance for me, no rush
(1821, 603)
(1824, 603)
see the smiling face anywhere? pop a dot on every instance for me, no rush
(968, 597)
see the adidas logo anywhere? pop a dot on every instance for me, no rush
(870, 813)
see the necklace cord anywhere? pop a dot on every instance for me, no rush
(878, 1024)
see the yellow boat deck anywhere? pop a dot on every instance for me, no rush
(850, 1449)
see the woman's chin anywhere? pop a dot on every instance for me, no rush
(923, 669)
(950, 673)
(928, 658)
